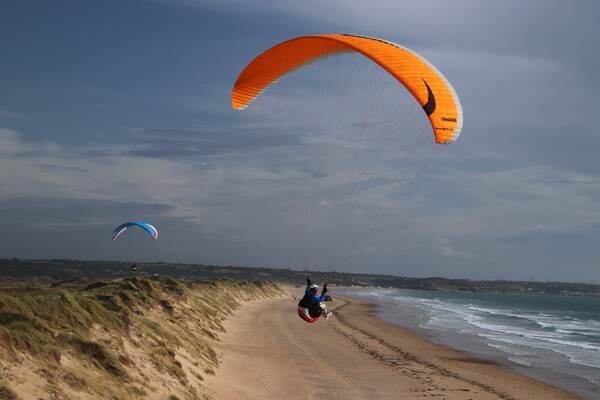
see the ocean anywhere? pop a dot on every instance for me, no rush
(555, 339)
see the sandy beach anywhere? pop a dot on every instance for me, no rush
(269, 353)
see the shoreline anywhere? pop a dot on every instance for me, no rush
(444, 358)
(406, 317)
(353, 355)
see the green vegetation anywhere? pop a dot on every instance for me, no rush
(62, 273)
(118, 338)
(6, 393)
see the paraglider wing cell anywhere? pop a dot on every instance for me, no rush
(152, 231)
(427, 85)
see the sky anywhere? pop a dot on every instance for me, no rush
(120, 110)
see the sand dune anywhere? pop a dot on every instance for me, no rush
(117, 339)
(269, 353)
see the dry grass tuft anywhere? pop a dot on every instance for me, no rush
(6, 393)
(118, 338)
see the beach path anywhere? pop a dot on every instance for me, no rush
(269, 353)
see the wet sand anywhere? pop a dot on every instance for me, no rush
(269, 353)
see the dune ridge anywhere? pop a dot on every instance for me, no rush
(127, 339)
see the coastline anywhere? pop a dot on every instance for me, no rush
(269, 352)
(485, 373)
(461, 336)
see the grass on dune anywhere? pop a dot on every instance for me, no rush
(93, 325)
(6, 393)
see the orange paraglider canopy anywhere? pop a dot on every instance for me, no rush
(429, 87)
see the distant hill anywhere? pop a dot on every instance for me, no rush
(13, 271)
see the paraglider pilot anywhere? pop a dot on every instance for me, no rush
(311, 308)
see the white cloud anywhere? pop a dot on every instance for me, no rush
(445, 248)
(7, 114)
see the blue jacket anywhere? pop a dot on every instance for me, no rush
(311, 300)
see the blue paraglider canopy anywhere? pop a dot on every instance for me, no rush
(152, 231)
